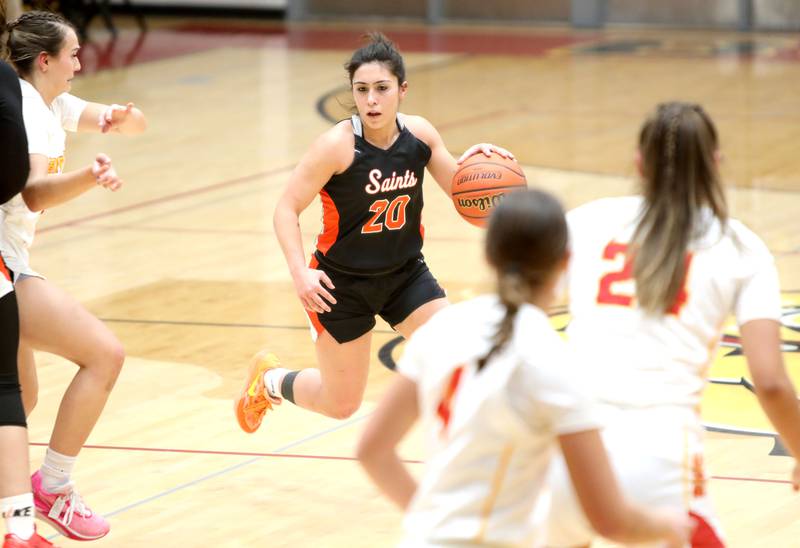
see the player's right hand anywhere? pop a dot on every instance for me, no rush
(312, 293)
(104, 173)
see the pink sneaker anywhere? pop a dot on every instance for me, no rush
(67, 512)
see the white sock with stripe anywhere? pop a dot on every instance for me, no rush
(272, 380)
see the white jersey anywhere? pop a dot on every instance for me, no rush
(490, 433)
(639, 360)
(44, 126)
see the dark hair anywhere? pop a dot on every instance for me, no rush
(32, 33)
(380, 49)
(3, 30)
(525, 241)
(678, 143)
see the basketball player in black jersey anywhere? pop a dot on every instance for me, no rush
(368, 171)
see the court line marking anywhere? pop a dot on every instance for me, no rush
(239, 232)
(167, 198)
(234, 467)
(279, 454)
(218, 324)
(222, 453)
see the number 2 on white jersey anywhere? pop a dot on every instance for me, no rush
(607, 294)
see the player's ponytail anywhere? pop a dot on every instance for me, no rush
(526, 240)
(678, 146)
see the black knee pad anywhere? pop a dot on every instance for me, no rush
(11, 411)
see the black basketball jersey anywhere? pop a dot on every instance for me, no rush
(372, 211)
(14, 157)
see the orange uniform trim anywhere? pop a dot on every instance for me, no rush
(3, 270)
(704, 536)
(330, 223)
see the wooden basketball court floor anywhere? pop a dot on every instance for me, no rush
(183, 264)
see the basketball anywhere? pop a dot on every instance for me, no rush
(480, 184)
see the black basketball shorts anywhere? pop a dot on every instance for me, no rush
(393, 297)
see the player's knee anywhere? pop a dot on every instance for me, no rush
(112, 360)
(343, 410)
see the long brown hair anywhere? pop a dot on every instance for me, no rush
(678, 145)
(525, 241)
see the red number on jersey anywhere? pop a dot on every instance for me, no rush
(443, 410)
(606, 294)
(395, 217)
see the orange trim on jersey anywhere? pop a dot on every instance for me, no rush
(330, 223)
(4, 270)
(422, 231)
(443, 410)
(312, 316)
(497, 482)
(704, 536)
(698, 476)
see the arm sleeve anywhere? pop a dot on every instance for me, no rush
(760, 295)
(35, 127)
(14, 161)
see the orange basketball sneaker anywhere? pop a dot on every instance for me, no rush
(254, 401)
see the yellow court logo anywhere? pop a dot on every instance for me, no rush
(729, 402)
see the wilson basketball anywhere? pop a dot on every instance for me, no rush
(480, 184)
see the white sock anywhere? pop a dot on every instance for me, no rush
(272, 381)
(18, 512)
(56, 471)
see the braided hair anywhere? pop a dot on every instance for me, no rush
(32, 33)
(525, 241)
(678, 144)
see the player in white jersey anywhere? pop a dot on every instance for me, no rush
(16, 498)
(497, 394)
(43, 48)
(651, 281)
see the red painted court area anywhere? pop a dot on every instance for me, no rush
(132, 47)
